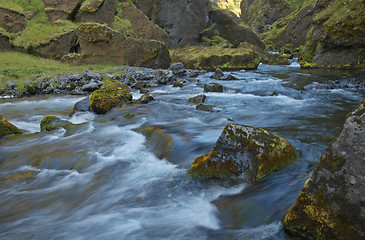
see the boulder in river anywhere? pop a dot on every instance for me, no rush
(198, 99)
(82, 105)
(213, 87)
(244, 152)
(50, 123)
(111, 95)
(7, 128)
(331, 204)
(275, 59)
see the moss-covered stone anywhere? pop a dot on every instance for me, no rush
(91, 6)
(204, 107)
(51, 123)
(275, 59)
(211, 58)
(331, 203)
(112, 95)
(7, 128)
(244, 152)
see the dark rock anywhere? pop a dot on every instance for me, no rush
(140, 85)
(90, 87)
(97, 11)
(7, 128)
(12, 21)
(330, 205)
(244, 152)
(178, 69)
(146, 98)
(213, 87)
(179, 83)
(204, 107)
(93, 76)
(29, 88)
(163, 76)
(198, 99)
(77, 77)
(82, 105)
(218, 73)
(4, 43)
(228, 77)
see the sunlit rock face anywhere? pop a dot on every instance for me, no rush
(331, 204)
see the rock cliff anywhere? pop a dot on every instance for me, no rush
(331, 203)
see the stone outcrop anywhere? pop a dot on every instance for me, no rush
(12, 21)
(99, 11)
(62, 9)
(331, 204)
(244, 152)
(113, 94)
(211, 58)
(100, 43)
(275, 59)
(182, 20)
(142, 27)
(224, 24)
(7, 128)
(261, 14)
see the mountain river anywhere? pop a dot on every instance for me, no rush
(110, 177)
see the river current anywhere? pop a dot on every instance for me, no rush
(117, 178)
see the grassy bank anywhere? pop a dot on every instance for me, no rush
(20, 67)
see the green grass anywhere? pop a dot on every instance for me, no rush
(19, 67)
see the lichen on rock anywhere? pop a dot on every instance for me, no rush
(109, 96)
(244, 152)
(331, 203)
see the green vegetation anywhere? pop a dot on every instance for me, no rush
(19, 67)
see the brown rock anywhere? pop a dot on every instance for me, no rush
(12, 21)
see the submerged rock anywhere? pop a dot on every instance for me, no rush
(112, 95)
(211, 58)
(331, 203)
(7, 128)
(50, 123)
(244, 152)
(204, 107)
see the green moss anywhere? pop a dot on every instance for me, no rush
(51, 123)
(91, 6)
(128, 115)
(123, 26)
(95, 32)
(7, 128)
(111, 95)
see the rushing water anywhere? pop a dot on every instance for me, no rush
(107, 179)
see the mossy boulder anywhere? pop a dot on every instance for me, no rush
(51, 123)
(113, 94)
(275, 59)
(198, 99)
(97, 11)
(213, 57)
(204, 107)
(99, 43)
(7, 128)
(244, 152)
(213, 87)
(331, 203)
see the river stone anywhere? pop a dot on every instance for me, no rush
(164, 76)
(146, 98)
(90, 87)
(244, 152)
(82, 105)
(178, 69)
(204, 107)
(275, 59)
(331, 203)
(213, 87)
(111, 95)
(198, 99)
(7, 128)
(50, 123)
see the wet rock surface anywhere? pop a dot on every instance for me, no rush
(331, 203)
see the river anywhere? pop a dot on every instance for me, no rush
(117, 178)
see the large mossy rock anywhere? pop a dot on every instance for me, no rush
(4, 42)
(7, 128)
(111, 95)
(99, 43)
(331, 203)
(244, 152)
(224, 26)
(99, 11)
(275, 59)
(213, 57)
